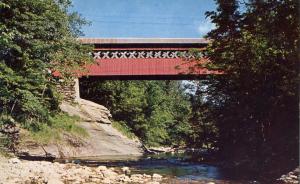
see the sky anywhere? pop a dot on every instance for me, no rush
(145, 18)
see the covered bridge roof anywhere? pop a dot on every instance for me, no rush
(144, 40)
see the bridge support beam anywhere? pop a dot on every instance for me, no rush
(77, 89)
(69, 91)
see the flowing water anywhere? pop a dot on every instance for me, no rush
(176, 167)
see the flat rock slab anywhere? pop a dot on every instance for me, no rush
(103, 139)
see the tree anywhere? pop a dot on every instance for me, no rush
(37, 37)
(205, 132)
(255, 102)
(155, 111)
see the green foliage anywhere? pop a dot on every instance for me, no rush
(5, 142)
(205, 132)
(37, 37)
(56, 127)
(155, 111)
(124, 129)
(254, 104)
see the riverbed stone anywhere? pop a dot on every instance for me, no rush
(102, 168)
(137, 178)
(55, 173)
(14, 161)
(107, 181)
(152, 182)
(109, 174)
(126, 170)
(123, 178)
(147, 177)
(291, 177)
(156, 177)
(54, 181)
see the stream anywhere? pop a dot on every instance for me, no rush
(177, 168)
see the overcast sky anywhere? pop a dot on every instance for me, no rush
(145, 18)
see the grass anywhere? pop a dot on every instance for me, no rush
(53, 131)
(125, 130)
(3, 151)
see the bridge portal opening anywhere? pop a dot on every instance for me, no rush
(157, 111)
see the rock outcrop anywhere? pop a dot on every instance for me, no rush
(88, 111)
(103, 139)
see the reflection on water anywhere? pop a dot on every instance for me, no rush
(176, 167)
(181, 171)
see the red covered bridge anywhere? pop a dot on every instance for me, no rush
(145, 58)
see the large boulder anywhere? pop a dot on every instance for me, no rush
(87, 111)
(96, 112)
(156, 177)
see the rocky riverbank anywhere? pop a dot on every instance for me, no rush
(103, 139)
(39, 172)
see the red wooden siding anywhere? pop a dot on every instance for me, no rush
(150, 66)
